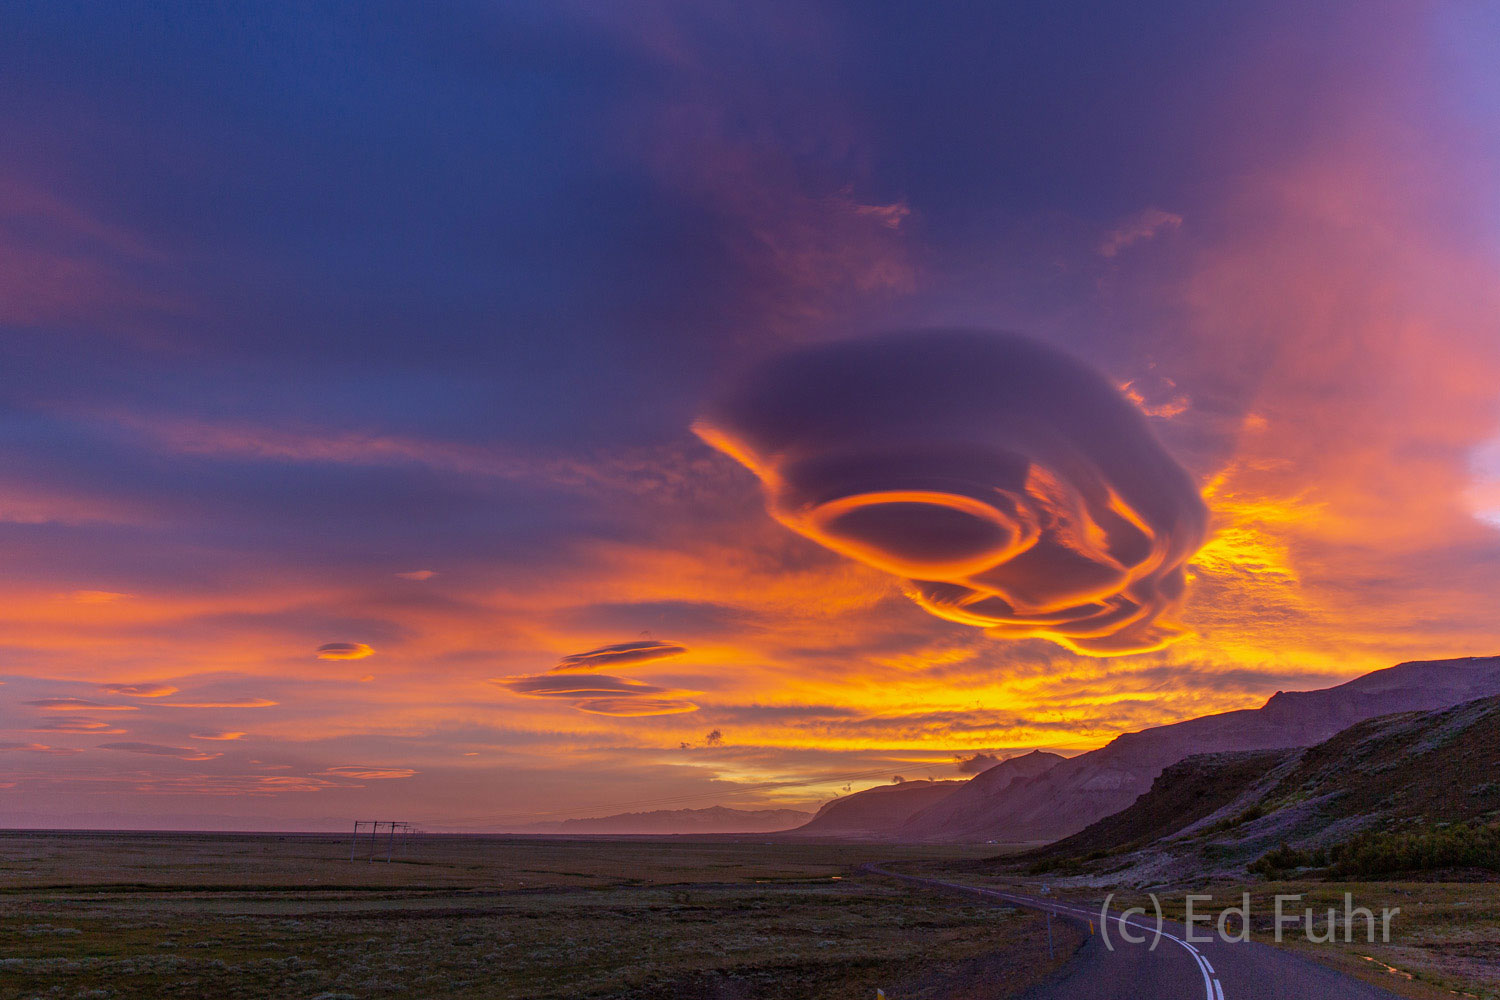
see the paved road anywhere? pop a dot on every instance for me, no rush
(1176, 969)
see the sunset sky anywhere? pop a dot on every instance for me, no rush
(350, 361)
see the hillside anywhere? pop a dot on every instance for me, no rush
(877, 812)
(1413, 771)
(1184, 793)
(1076, 792)
(969, 803)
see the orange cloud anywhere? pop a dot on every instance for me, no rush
(1011, 485)
(344, 651)
(157, 749)
(40, 748)
(361, 771)
(217, 735)
(93, 726)
(418, 574)
(139, 690)
(226, 703)
(642, 651)
(599, 694)
(78, 705)
(634, 707)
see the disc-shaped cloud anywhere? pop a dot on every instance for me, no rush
(344, 651)
(599, 694)
(140, 690)
(1009, 484)
(157, 749)
(621, 652)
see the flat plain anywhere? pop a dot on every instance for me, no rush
(138, 915)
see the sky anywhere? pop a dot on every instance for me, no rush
(367, 381)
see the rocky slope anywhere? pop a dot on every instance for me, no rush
(1076, 792)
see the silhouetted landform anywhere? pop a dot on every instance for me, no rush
(716, 819)
(1079, 791)
(970, 803)
(876, 812)
(1402, 792)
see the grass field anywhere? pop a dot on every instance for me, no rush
(284, 917)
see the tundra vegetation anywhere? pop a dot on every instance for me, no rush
(247, 917)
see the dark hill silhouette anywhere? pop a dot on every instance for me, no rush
(1076, 792)
(874, 812)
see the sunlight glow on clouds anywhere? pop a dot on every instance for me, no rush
(643, 651)
(1013, 487)
(140, 690)
(376, 773)
(344, 651)
(157, 749)
(78, 705)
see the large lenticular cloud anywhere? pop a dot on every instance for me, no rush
(1011, 485)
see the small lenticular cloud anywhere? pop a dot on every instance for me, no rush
(139, 690)
(552, 686)
(216, 735)
(631, 708)
(93, 726)
(225, 703)
(599, 694)
(344, 651)
(418, 574)
(40, 748)
(156, 749)
(1010, 485)
(78, 705)
(360, 771)
(621, 652)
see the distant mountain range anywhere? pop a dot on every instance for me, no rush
(716, 819)
(1042, 797)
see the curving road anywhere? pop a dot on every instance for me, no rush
(1176, 969)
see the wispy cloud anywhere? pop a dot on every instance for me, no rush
(140, 690)
(79, 705)
(1144, 225)
(159, 750)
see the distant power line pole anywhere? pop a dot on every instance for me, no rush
(391, 828)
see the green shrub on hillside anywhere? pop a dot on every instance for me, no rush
(1461, 845)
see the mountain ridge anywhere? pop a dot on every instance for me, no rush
(1076, 792)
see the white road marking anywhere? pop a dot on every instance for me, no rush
(1213, 989)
